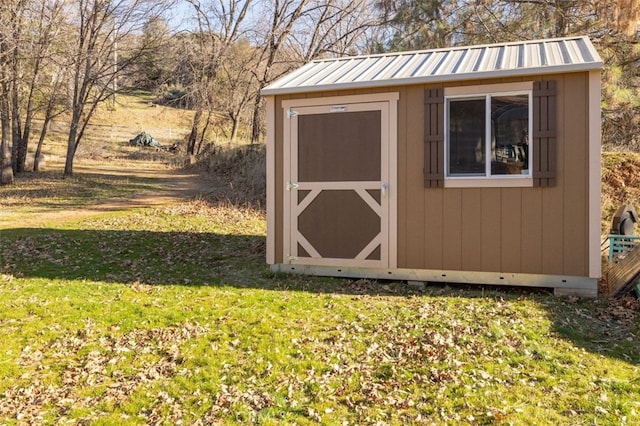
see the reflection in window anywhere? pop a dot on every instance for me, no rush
(494, 127)
(467, 137)
(510, 134)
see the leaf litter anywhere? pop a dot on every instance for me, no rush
(81, 364)
(366, 353)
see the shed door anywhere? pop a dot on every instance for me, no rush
(339, 185)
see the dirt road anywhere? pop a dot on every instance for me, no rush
(158, 186)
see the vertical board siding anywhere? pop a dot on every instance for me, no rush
(452, 226)
(538, 230)
(553, 205)
(471, 230)
(411, 179)
(576, 174)
(553, 241)
(434, 233)
(523, 230)
(434, 138)
(532, 231)
(490, 211)
(511, 235)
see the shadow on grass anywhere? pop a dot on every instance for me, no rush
(134, 256)
(210, 259)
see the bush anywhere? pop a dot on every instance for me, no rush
(240, 172)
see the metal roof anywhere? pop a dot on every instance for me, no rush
(440, 65)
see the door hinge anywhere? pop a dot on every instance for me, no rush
(291, 113)
(291, 185)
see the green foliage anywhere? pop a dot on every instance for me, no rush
(613, 26)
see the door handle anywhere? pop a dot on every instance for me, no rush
(383, 189)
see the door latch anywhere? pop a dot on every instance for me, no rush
(292, 185)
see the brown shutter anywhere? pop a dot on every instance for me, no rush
(544, 133)
(434, 138)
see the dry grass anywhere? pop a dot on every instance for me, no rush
(240, 172)
(138, 109)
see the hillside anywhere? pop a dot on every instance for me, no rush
(620, 183)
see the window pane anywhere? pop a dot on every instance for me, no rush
(509, 135)
(467, 137)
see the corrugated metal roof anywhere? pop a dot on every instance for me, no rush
(457, 63)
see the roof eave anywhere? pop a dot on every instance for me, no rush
(558, 69)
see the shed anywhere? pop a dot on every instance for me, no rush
(476, 164)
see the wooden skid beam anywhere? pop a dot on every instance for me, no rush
(621, 275)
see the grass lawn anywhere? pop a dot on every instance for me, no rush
(169, 315)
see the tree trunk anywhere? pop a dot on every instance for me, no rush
(43, 134)
(255, 126)
(72, 142)
(193, 136)
(561, 9)
(6, 169)
(18, 150)
(203, 134)
(235, 122)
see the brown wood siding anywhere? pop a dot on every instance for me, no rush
(512, 230)
(519, 230)
(532, 221)
(411, 192)
(452, 227)
(491, 229)
(471, 230)
(575, 166)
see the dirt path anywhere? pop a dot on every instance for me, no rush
(161, 187)
(173, 186)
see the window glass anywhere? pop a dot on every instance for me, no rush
(467, 134)
(488, 135)
(509, 135)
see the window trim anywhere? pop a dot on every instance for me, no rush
(486, 92)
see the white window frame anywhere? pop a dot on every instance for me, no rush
(487, 92)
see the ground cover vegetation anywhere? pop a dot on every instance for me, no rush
(118, 311)
(170, 316)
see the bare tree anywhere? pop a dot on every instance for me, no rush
(298, 31)
(30, 59)
(54, 105)
(282, 16)
(219, 27)
(102, 48)
(7, 47)
(237, 87)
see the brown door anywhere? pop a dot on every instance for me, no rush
(338, 185)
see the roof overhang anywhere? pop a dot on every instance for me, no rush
(538, 57)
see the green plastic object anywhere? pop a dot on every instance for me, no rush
(144, 139)
(636, 290)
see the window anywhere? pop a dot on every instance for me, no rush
(487, 134)
(485, 125)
